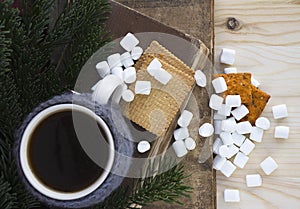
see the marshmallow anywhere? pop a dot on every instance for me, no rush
(256, 134)
(231, 195)
(228, 125)
(126, 60)
(219, 161)
(215, 102)
(268, 165)
(262, 123)
(231, 119)
(228, 168)
(282, 132)
(128, 95)
(154, 66)
(238, 139)
(129, 75)
(142, 87)
(162, 76)
(280, 111)
(136, 52)
(129, 42)
(240, 112)
(206, 130)
(217, 126)
(224, 110)
(181, 133)
(102, 69)
(200, 78)
(219, 85)
(254, 180)
(185, 118)
(247, 147)
(232, 151)
(143, 146)
(227, 56)
(217, 144)
(244, 127)
(233, 100)
(254, 82)
(224, 151)
(190, 143)
(118, 71)
(179, 148)
(114, 60)
(218, 116)
(229, 70)
(240, 160)
(226, 138)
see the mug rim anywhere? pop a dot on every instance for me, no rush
(31, 177)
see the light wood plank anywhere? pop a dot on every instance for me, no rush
(268, 45)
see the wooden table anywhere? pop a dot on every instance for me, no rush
(267, 42)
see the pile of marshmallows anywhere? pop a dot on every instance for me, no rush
(236, 139)
(118, 71)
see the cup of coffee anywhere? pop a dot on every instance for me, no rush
(66, 152)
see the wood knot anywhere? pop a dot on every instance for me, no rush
(233, 24)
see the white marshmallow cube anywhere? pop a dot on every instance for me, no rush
(228, 168)
(263, 123)
(190, 143)
(143, 146)
(219, 85)
(179, 148)
(136, 52)
(240, 112)
(226, 138)
(233, 100)
(114, 60)
(217, 144)
(280, 111)
(185, 118)
(247, 147)
(126, 60)
(244, 127)
(219, 161)
(224, 151)
(253, 180)
(231, 195)
(206, 130)
(118, 71)
(129, 42)
(238, 139)
(254, 82)
(102, 69)
(227, 56)
(232, 151)
(229, 70)
(181, 133)
(218, 116)
(142, 87)
(200, 78)
(224, 110)
(240, 160)
(215, 102)
(129, 75)
(154, 66)
(268, 165)
(128, 95)
(217, 126)
(282, 132)
(228, 125)
(162, 76)
(256, 134)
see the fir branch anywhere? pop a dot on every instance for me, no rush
(7, 199)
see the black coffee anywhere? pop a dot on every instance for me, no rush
(56, 155)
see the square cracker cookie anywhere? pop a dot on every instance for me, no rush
(256, 107)
(238, 84)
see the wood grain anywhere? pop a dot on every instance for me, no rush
(267, 43)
